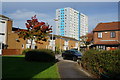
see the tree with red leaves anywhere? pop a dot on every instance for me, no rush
(35, 31)
(87, 39)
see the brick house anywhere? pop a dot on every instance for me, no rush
(11, 44)
(9, 40)
(8, 37)
(106, 36)
(63, 43)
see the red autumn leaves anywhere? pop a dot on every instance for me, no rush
(39, 24)
(34, 24)
(35, 30)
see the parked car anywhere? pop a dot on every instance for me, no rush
(72, 54)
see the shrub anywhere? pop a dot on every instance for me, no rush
(42, 55)
(25, 50)
(102, 62)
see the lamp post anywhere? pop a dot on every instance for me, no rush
(52, 32)
(60, 43)
(52, 40)
(79, 44)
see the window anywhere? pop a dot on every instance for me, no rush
(22, 46)
(112, 34)
(62, 29)
(100, 35)
(35, 47)
(2, 21)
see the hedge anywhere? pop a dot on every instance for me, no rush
(102, 63)
(42, 55)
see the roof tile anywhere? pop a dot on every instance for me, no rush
(107, 26)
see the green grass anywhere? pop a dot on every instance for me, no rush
(17, 67)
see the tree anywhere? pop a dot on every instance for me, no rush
(87, 39)
(35, 31)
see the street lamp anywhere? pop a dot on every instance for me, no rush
(55, 28)
(79, 44)
(52, 40)
(60, 43)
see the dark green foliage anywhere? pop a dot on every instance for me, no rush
(42, 55)
(25, 51)
(105, 63)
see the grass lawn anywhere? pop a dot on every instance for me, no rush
(17, 67)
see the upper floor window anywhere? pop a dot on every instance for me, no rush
(99, 34)
(112, 34)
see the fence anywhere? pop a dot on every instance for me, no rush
(11, 52)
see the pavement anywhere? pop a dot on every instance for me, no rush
(70, 70)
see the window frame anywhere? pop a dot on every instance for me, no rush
(112, 34)
(99, 36)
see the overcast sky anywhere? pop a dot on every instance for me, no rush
(96, 11)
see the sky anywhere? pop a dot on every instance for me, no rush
(97, 12)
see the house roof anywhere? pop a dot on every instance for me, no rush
(16, 29)
(89, 37)
(107, 43)
(107, 26)
(4, 17)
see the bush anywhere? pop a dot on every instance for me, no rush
(42, 55)
(102, 62)
(25, 50)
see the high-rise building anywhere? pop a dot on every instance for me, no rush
(71, 23)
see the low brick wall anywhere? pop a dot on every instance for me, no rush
(11, 52)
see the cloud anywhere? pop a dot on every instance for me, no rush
(25, 14)
(20, 16)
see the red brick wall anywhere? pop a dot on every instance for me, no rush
(11, 52)
(105, 36)
(119, 36)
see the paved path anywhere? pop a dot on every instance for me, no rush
(70, 69)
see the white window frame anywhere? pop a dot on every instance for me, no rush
(99, 34)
